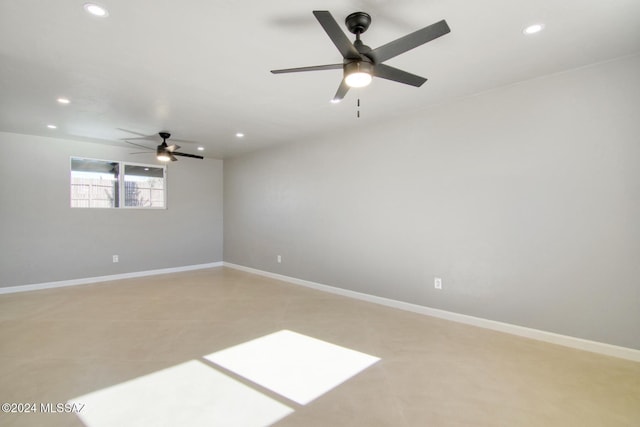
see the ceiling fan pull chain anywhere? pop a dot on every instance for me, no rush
(358, 111)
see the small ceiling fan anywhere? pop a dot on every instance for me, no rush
(361, 63)
(165, 152)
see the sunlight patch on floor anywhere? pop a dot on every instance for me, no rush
(189, 394)
(293, 365)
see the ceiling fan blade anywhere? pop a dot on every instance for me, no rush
(337, 36)
(143, 138)
(193, 156)
(173, 147)
(342, 91)
(390, 73)
(409, 41)
(134, 133)
(184, 141)
(138, 145)
(312, 68)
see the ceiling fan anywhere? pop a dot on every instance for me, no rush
(165, 152)
(361, 63)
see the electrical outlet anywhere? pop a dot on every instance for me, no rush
(115, 258)
(437, 283)
(279, 259)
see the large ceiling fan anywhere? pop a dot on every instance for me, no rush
(361, 63)
(165, 152)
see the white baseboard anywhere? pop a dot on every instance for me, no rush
(550, 337)
(88, 280)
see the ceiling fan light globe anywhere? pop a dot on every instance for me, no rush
(358, 79)
(162, 154)
(358, 73)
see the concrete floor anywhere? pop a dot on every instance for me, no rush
(62, 344)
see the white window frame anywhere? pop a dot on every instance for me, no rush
(121, 184)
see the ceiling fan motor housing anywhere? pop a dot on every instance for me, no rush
(358, 67)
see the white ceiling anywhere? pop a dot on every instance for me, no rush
(200, 69)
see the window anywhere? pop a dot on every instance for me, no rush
(107, 184)
(143, 186)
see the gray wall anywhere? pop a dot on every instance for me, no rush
(525, 200)
(42, 239)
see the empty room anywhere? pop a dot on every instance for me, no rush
(341, 213)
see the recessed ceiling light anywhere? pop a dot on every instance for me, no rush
(52, 126)
(96, 10)
(200, 148)
(63, 100)
(532, 29)
(240, 135)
